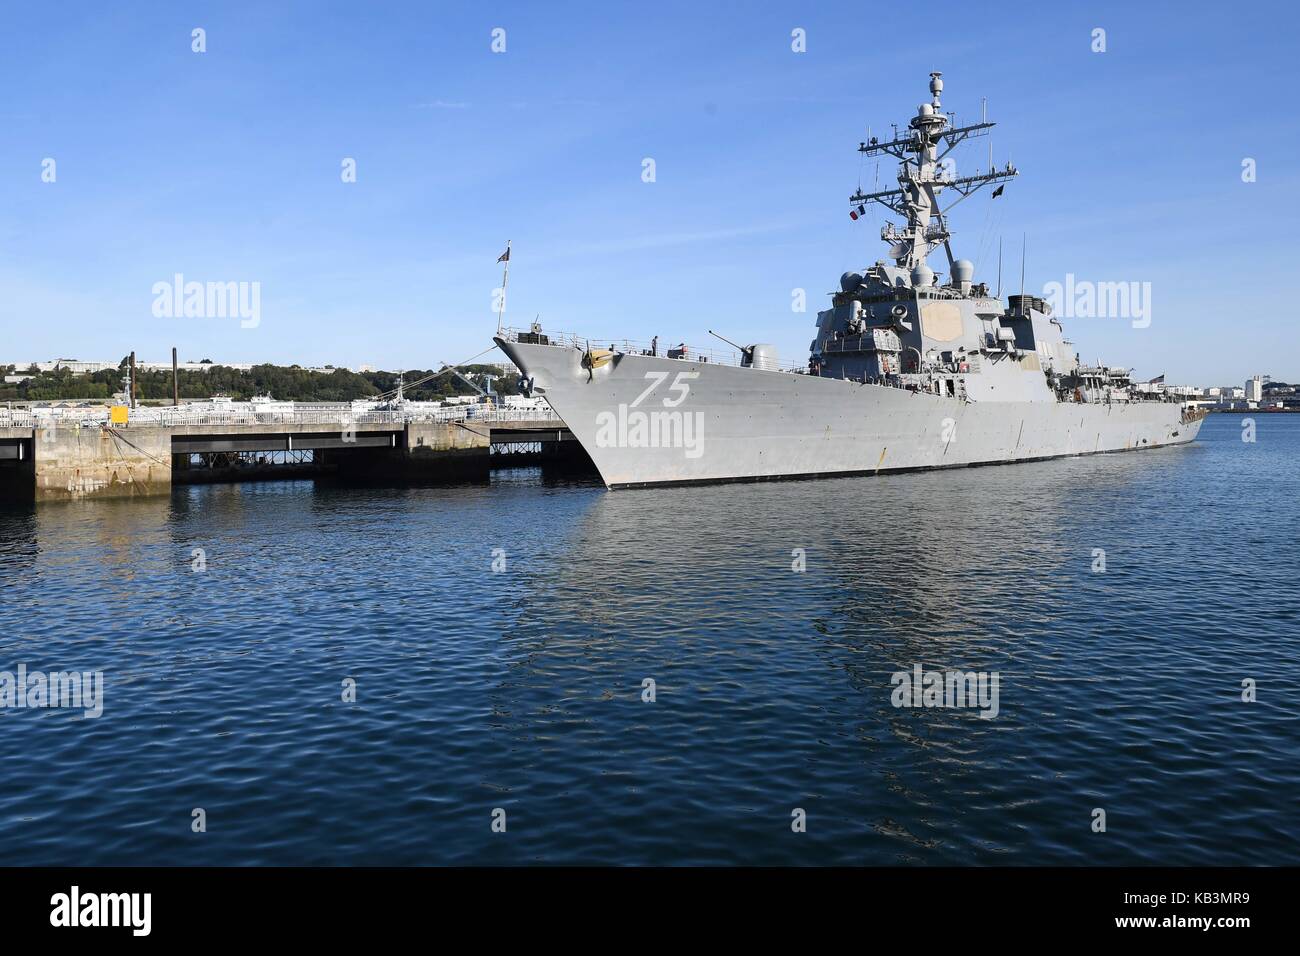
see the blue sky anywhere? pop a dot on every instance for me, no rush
(225, 166)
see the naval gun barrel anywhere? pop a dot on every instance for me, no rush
(744, 350)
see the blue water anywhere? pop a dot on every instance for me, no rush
(521, 689)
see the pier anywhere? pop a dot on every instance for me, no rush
(61, 458)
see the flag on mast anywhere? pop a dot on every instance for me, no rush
(505, 277)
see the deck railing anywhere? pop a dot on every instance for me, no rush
(680, 350)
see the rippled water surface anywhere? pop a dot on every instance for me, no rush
(522, 689)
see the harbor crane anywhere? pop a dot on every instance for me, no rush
(489, 394)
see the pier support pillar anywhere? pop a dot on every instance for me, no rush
(428, 452)
(73, 462)
(453, 448)
(17, 469)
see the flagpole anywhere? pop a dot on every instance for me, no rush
(1024, 241)
(999, 268)
(505, 278)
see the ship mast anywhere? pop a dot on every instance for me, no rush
(922, 176)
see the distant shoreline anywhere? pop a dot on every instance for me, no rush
(1247, 411)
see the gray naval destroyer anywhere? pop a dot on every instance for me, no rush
(907, 372)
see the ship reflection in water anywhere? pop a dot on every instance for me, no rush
(773, 688)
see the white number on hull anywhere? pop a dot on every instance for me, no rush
(680, 388)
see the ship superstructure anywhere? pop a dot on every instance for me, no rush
(910, 368)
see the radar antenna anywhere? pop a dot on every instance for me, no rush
(923, 173)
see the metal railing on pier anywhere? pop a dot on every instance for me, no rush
(244, 415)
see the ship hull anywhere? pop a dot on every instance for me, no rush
(647, 420)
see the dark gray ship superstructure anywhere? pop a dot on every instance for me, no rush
(909, 369)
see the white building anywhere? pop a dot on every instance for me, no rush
(186, 366)
(72, 365)
(1254, 388)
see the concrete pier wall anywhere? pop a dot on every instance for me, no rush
(68, 461)
(435, 440)
(447, 450)
(89, 462)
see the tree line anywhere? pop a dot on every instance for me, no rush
(284, 382)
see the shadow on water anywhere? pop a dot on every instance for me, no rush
(502, 637)
(992, 570)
